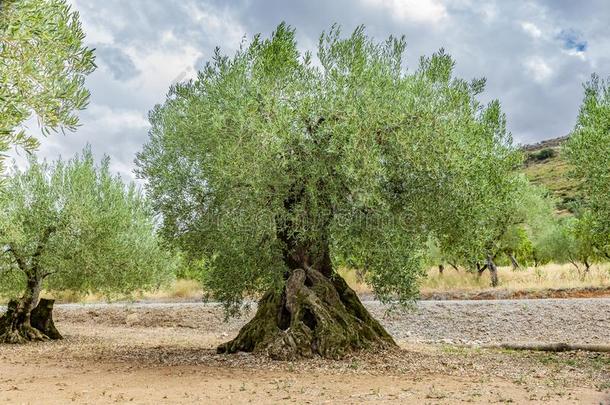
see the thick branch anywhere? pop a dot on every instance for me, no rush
(454, 266)
(18, 259)
(42, 243)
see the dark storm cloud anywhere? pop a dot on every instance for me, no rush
(535, 55)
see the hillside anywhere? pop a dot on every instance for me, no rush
(545, 165)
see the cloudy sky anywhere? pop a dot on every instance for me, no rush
(534, 54)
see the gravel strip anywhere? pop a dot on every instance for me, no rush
(450, 322)
(498, 321)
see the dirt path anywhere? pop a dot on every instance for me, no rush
(108, 383)
(165, 354)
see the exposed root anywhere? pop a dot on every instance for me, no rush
(313, 315)
(23, 334)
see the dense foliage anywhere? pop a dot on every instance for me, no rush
(269, 152)
(544, 154)
(43, 64)
(588, 150)
(74, 226)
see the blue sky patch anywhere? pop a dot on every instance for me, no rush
(572, 40)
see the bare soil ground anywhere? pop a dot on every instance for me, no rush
(164, 353)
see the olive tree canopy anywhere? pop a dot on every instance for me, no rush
(43, 64)
(588, 149)
(276, 165)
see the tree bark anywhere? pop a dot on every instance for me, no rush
(493, 271)
(316, 313)
(514, 262)
(26, 321)
(587, 267)
(42, 319)
(312, 315)
(480, 269)
(15, 324)
(575, 266)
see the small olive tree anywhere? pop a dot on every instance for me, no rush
(72, 225)
(568, 240)
(500, 220)
(43, 64)
(275, 167)
(588, 149)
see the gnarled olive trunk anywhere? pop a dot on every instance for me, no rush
(314, 314)
(26, 319)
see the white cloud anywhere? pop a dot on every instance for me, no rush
(532, 29)
(220, 25)
(431, 11)
(102, 116)
(97, 33)
(163, 66)
(573, 52)
(539, 69)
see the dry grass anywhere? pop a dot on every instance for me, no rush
(72, 296)
(354, 281)
(187, 290)
(543, 277)
(551, 276)
(180, 289)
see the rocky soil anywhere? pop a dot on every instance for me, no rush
(499, 321)
(451, 322)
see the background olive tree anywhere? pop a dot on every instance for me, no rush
(73, 226)
(43, 64)
(273, 168)
(588, 149)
